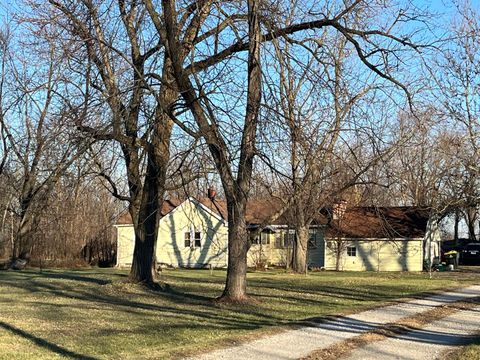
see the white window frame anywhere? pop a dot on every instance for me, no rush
(349, 250)
(192, 238)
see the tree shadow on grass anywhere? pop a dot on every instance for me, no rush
(201, 307)
(74, 277)
(44, 343)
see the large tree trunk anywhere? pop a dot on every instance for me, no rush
(237, 195)
(236, 187)
(146, 232)
(23, 239)
(300, 248)
(238, 245)
(144, 265)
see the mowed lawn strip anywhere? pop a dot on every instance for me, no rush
(95, 314)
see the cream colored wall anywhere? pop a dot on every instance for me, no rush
(125, 244)
(378, 255)
(171, 248)
(267, 253)
(278, 256)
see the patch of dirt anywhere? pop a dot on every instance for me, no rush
(127, 287)
(245, 300)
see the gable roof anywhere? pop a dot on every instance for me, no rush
(167, 207)
(380, 222)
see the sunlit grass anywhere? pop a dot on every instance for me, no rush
(94, 313)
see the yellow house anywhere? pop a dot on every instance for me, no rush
(194, 232)
(190, 235)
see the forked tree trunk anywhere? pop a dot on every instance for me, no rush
(22, 244)
(23, 238)
(236, 187)
(146, 225)
(144, 265)
(300, 249)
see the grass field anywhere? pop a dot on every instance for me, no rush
(94, 314)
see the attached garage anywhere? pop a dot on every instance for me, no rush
(380, 239)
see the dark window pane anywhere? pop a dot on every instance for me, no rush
(352, 251)
(278, 242)
(198, 237)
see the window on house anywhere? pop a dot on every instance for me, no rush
(312, 239)
(198, 238)
(278, 241)
(351, 250)
(283, 239)
(288, 238)
(265, 238)
(195, 242)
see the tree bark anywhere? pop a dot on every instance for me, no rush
(144, 265)
(146, 232)
(22, 244)
(471, 218)
(455, 227)
(300, 249)
(338, 254)
(238, 244)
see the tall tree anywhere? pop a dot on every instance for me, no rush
(124, 65)
(199, 68)
(318, 103)
(458, 84)
(42, 147)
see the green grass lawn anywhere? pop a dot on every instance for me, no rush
(94, 314)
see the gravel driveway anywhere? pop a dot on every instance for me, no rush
(294, 344)
(427, 343)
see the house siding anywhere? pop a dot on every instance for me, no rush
(377, 255)
(125, 245)
(191, 217)
(171, 250)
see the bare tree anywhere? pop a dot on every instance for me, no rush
(42, 147)
(456, 85)
(127, 69)
(317, 101)
(186, 47)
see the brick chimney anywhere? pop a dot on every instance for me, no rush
(211, 193)
(339, 208)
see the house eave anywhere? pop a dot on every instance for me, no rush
(327, 238)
